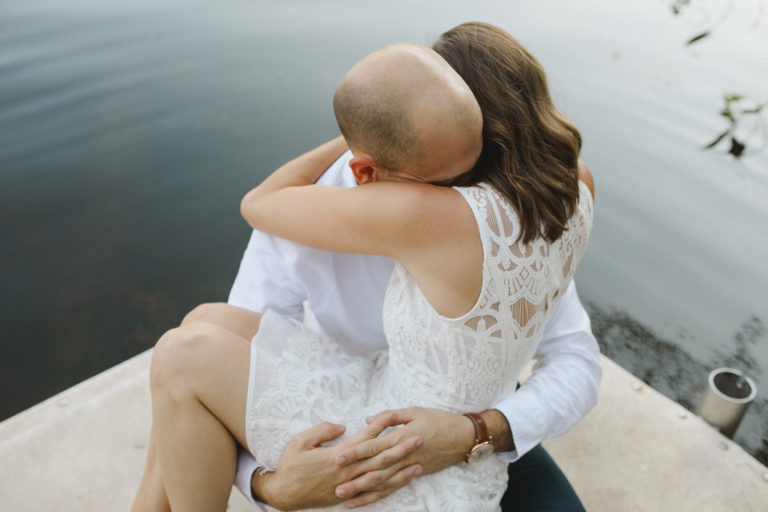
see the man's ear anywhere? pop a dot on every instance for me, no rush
(364, 168)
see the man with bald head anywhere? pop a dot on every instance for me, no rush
(406, 115)
(406, 109)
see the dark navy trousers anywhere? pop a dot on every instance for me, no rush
(536, 484)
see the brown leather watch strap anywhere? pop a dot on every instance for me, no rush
(481, 429)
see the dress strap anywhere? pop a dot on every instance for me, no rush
(496, 220)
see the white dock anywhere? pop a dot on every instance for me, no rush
(84, 450)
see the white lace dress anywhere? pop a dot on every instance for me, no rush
(299, 378)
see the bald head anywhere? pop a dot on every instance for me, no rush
(402, 104)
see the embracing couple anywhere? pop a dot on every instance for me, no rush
(398, 280)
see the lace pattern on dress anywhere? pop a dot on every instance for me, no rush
(469, 362)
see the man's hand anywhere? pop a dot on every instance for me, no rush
(447, 438)
(308, 474)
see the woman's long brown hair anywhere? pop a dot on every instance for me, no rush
(530, 153)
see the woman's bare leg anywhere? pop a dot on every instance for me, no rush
(151, 496)
(199, 380)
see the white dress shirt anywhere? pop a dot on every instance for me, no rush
(342, 296)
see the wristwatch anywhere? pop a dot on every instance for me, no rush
(483, 442)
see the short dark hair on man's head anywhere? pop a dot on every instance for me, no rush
(377, 121)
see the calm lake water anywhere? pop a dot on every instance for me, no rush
(129, 132)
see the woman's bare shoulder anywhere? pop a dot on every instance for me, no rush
(585, 175)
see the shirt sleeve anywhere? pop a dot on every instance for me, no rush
(565, 380)
(246, 467)
(264, 280)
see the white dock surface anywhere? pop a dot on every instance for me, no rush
(84, 450)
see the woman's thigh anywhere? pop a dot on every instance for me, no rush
(212, 363)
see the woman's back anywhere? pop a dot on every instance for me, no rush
(468, 362)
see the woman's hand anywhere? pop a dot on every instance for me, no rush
(302, 170)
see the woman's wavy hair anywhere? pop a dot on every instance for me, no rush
(530, 153)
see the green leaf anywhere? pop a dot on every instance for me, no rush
(733, 97)
(718, 139)
(755, 110)
(698, 37)
(728, 114)
(737, 148)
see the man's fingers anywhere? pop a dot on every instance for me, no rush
(395, 454)
(389, 452)
(394, 416)
(383, 451)
(360, 451)
(371, 419)
(371, 474)
(384, 488)
(320, 433)
(366, 443)
(376, 426)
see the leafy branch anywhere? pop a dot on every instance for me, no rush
(738, 109)
(735, 112)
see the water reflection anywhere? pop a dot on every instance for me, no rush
(131, 130)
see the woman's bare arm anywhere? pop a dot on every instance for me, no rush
(585, 175)
(305, 169)
(425, 227)
(385, 218)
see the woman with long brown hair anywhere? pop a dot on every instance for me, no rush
(530, 153)
(480, 268)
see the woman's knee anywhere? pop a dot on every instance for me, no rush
(208, 312)
(180, 354)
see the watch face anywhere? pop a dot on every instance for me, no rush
(480, 452)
